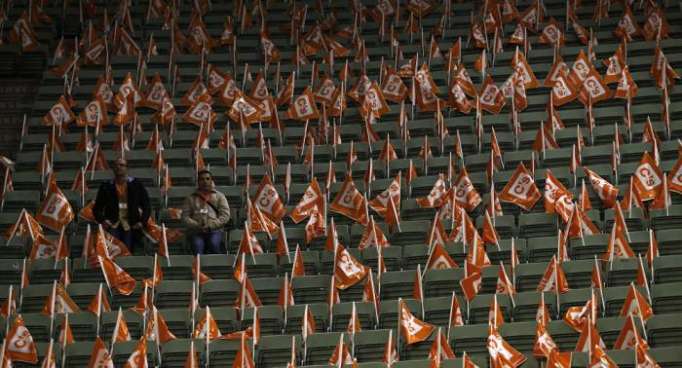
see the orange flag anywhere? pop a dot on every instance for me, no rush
(348, 271)
(138, 358)
(116, 277)
(636, 305)
(350, 202)
(412, 329)
(100, 357)
(20, 346)
(521, 189)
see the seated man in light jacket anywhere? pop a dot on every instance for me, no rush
(205, 213)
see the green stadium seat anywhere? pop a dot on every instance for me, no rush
(294, 317)
(275, 351)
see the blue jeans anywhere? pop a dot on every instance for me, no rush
(207, 243)
(131, 238)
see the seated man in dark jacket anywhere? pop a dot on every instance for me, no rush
(122, 206)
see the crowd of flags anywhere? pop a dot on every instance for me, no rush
(406, 82)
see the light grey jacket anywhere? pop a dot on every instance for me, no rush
(197, 214)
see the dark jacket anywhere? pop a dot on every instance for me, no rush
(106, 204)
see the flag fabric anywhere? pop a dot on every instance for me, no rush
(412, 329)
(312, 200)
(116, 277)
(59, 301)
(628, 338)
(138, 358)
(606, 191)
(100, 357)
(521, 189)
(348, 271)
(648, 178)
(439, 259)
(472, 281)
(20, 346)
(502, 354)
(636, 304)
(554, 278)
(350, 202)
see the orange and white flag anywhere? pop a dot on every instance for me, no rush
(412, 329)
(341, 355)
(373, 236)
(247, 297)
(374, 101)
(589, 338)
(121, 332)
(643, 358)
(138, 358)
(564, 89)
(207, 327)
(491, 98)
(552, 34)
(297, 266)
(59, 301)
(594, 89)
(664, 74)
(472, 281)
(521, 189)
(554, 278)
(636, 304)
(116, 277)
(60, 114)
(99, 302)
(466, 194)
(439, 259)
(504, 284)
(628, 338)
(648, 178)
(393, 88)
(436, 196)
(100, 357)
(20, 346)
(656, 25)
(391, 355)
(440, 348)
(286, 293)
(606, 191)
(243, 358)
(544, 343)
(55, 212)
(455, 317)
(312, 201)
(627, 87)
(308, 325)
(489, 234)
(554, 191)
(627, 27)
(350, 202)
(249, 244)
(303, 107)
(502, 354)
(380, 203)
(600, 359)
(426, 90)
(348, 271)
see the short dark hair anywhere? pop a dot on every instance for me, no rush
(204, 171)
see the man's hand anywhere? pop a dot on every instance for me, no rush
(137, 226)
(206, 229)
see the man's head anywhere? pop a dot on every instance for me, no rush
(205, 180)
(120, 168)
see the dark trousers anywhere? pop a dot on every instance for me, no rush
(206, 243)
(131, 238)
